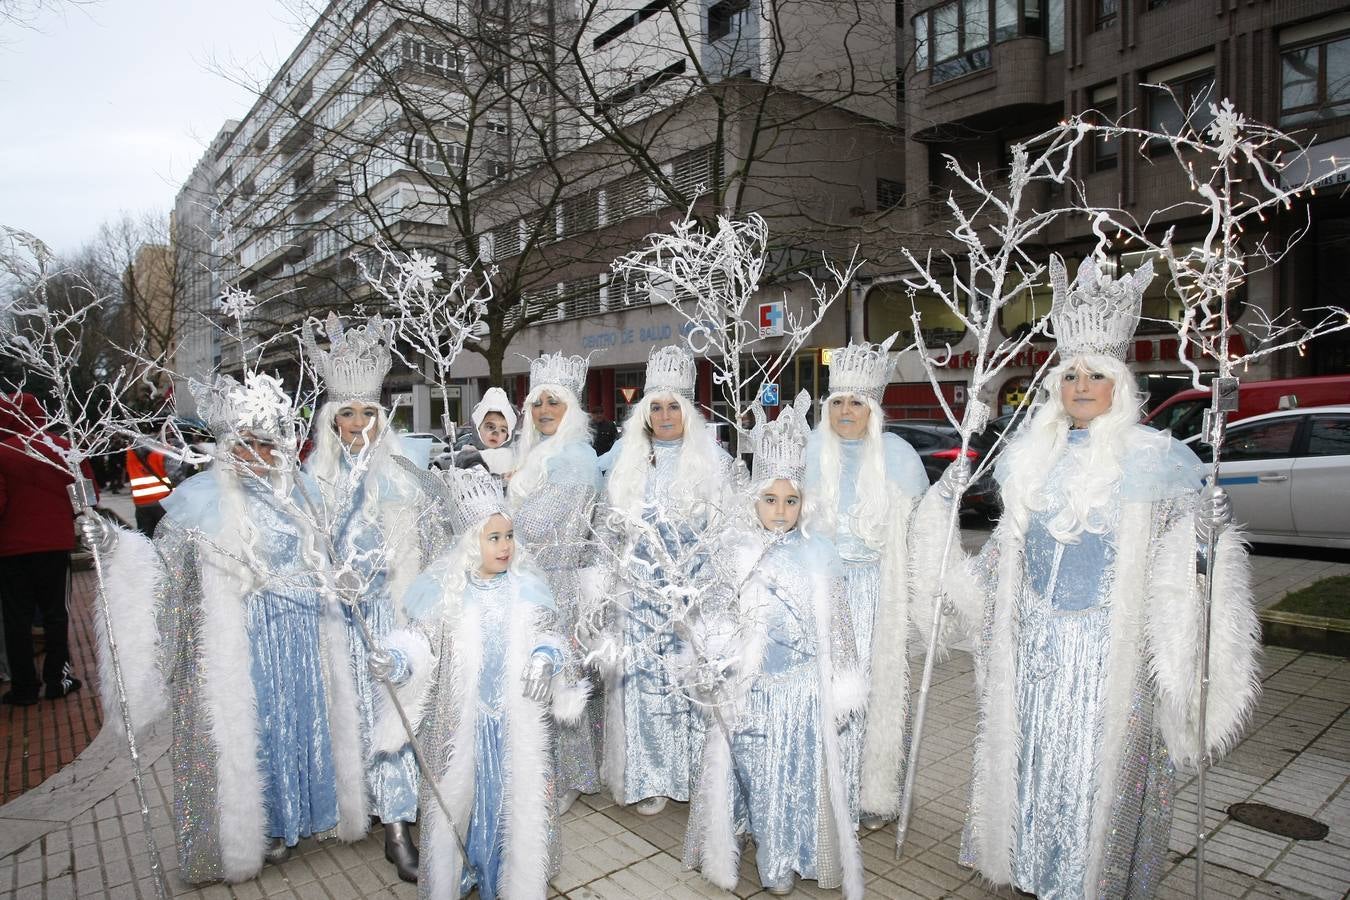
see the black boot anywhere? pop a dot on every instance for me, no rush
(277, 851)
(400, 850)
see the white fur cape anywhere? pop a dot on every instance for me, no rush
(716, 850)
(455, 651)
(226, 689)
(1155, 611)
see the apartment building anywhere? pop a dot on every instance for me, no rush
(980, 75)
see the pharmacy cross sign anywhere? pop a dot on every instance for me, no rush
(771, 319)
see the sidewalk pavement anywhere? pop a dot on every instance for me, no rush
(80, 834)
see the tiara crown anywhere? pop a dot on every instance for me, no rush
(568, 372)
(670, 370)
(1096, 314)
(259, 406)
(474, 496)
(354, 366)
(780, 445)
(862, 368)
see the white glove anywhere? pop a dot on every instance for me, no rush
(97, 534)
(538, 679)
(1214, 514)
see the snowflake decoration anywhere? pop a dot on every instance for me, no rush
(1226, 128)
(420, 270)
(260, 404)
(236, 304)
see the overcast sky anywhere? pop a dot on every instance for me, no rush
(107, 106)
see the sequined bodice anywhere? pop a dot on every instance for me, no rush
(661, 476)
(850, 546)
(784, 596)
(491, 598)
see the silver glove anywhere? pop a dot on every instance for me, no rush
(381, 664)
(537, 679)
(955, 478)
(97, 534)
(1214, 514)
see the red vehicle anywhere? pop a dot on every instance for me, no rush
(1182, 411)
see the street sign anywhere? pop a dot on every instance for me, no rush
(768, 395)
(629, 394)
(771, 319)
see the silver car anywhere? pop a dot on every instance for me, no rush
(1288, 473)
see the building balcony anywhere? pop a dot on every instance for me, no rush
(991, 88)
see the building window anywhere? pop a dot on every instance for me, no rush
(628, 22)
(1170, 110)
(623, 95)
(1017, 18)
(890, 194)
(1315, 82)
(1105, 149)
(726, 17)
(1108, 11)
(953, 38)
(889, 308)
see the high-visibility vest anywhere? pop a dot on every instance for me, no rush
(148, 479)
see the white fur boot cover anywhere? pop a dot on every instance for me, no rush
(131, 587)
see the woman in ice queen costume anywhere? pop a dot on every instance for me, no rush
(479, 666)
(225, 623)
(773, 761)
(861, 486)
(669, 484)
(1087, 613)
(369, 505)
(552, 495)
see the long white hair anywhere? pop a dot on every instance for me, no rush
(1030, 457)
(325, 461)
(806, 522)
(534, 450)
(697, 474)
(871, 499)
(452, 568)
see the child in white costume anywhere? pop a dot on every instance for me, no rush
(1086, 611)
(480, 667)
(494, 421)
(773, 761)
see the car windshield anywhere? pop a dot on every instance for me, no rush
(1184, 418)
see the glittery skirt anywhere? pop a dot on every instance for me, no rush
(781, 789)
(864, 592)
(660, 734)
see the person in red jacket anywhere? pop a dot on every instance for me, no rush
(37, 533)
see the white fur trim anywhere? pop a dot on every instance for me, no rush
(888, 688)
(227, 692)
(569, 700)
(1174, 627)
(719, 851)
(133, 580)
(344, 726)
(850, 692)
(389, 735)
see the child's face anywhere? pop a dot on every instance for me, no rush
(497, 544)
(493, 432)
(779, 506)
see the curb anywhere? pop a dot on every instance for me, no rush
(1297, 631)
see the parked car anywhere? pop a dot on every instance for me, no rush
(1288, 473)
(937, 444)
(982, 495)
(1182, 412)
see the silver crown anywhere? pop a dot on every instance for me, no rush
(474, 496)
(780, 445)
(1096, 314)
(670, 370)
(562, 371)
(259, 406)
(862, 369)
(354, 366)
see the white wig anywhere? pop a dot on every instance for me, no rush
(1029, 459)
(375, 456)
(757, 488)
(696, 473)
(239, 535)
(452, 568)
(871, 499)
(534, 450)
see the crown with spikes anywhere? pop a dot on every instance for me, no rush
(780, 445)
(567, 372)
(670, 370)
(259, 406)
(354, 366)
(474, 496)
(862, 369)
(1096, 314)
